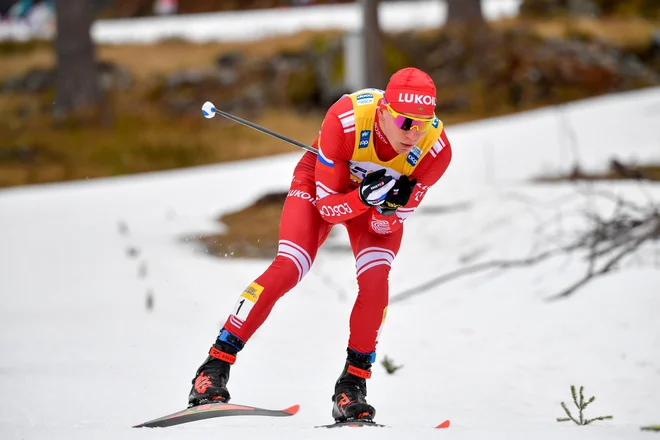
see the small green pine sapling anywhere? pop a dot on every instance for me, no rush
(581, 405)
(651, 428)
(389, 366)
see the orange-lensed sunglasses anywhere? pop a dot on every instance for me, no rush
(407, 123)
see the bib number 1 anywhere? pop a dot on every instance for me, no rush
(247, 300)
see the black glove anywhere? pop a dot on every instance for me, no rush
(398, 196)
(374, 187)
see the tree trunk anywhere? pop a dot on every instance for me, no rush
(578, 8)
(373, 48)
(464, 11)
(77, 86)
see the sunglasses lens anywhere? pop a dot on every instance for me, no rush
(407, 124)
(403, 123)
(422, 125)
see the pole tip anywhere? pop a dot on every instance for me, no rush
(208, 110)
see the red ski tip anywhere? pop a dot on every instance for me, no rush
(444, 424)
(292, 410)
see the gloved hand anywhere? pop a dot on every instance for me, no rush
(398, 196)
(374, 187)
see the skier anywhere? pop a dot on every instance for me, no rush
(378, 154)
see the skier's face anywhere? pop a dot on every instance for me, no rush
(402, 140)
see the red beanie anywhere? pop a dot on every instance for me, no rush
(411, 91)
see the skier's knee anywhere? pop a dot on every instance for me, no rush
(289, 253)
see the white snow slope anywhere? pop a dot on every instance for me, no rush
(82, 358)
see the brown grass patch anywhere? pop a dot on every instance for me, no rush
(18, 64)
(141, 136)
(252, 232)
(162, 58)
(628, 33)
(175, 55)
(142, 140)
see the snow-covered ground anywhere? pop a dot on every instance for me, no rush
(259, 24)
(82, 358)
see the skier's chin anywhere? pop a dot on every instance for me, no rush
(404, 148)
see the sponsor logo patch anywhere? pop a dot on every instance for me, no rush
(365, 137)
(336, 210)
(302, 195)
(414, 155)
(417, 99)
(364, 99)
(380, 226)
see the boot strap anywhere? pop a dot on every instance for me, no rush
(359, 372)
(222, 355)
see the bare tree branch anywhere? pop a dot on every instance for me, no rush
(606, 242)
(605, 269)
(480, 267)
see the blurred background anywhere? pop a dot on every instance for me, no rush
(95, 88)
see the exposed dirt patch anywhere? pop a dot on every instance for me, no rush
(252, 232)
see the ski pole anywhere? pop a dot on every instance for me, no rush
(209, 110)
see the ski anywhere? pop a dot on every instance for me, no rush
(443, 425)
(353, 424)
(361, 423)
(212, 410)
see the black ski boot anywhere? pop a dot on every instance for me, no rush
(349, 400)
(210, 382)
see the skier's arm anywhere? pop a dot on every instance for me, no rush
(428, 172)
(335, 201)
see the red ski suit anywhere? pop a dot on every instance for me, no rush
(323, 194)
